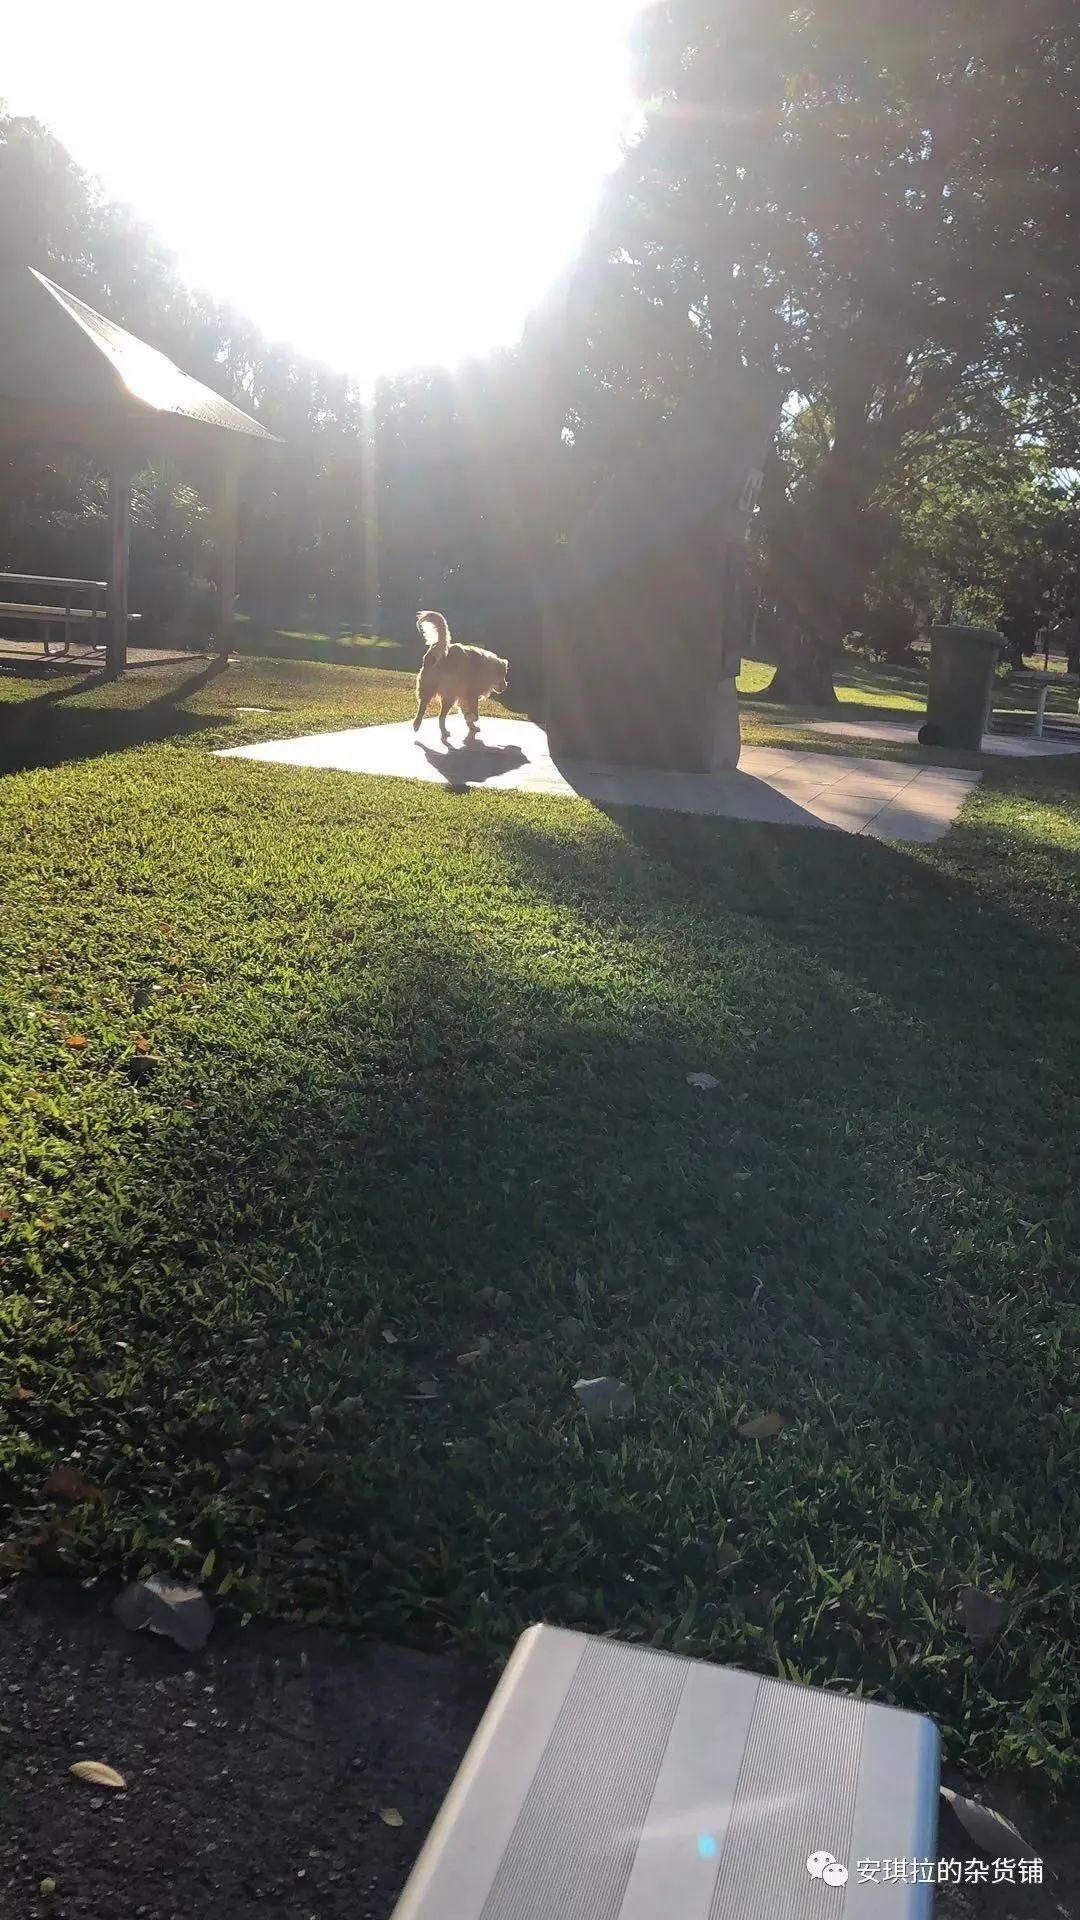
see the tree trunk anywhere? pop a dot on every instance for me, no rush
(804, 674)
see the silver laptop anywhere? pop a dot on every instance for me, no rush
(612, 1782)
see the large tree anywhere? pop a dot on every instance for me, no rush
(880, 204)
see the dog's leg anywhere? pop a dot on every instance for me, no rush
(472, 720)
(447, 704)
(423, 701)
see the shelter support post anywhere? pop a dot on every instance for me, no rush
(116, 621)
(226, 536)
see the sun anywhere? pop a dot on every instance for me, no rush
(378, 186)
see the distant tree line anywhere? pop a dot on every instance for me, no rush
(874, 208)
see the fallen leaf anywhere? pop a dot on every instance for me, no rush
(67, 1483)
(764, 1426)
(991, 1832)
(76, 1040)
(390, 1817)
(426, 1390)
(47, 1886)
(142, 1044)
(5, 1214)
(165, 1605)
(603, 1396)
(983, 1615)
(98, 1774)
(390, 1338)
(706, 1081)
(22, 1393)
(475, 1353)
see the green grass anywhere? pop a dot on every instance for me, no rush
(868, 692)
(417, 1118)
(254, 639)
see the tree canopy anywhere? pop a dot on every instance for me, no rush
(870, 210)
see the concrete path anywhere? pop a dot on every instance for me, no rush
(1011, 746)
(885, 799)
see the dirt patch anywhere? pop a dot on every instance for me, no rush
(256, 1770)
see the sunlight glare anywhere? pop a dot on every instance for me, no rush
(379, 186)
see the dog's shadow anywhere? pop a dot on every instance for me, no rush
(472, 765)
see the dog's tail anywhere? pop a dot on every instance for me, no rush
(436, 632)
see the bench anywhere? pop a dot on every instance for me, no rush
(623, 1782)
(1042, 684)
(78, 622)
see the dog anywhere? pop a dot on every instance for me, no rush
(458, 676)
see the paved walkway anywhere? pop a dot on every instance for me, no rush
(885, 799)
(1011, 746)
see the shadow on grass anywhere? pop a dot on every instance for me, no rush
(40, 732)
(358, 650)
(401, 1233)
(972, 1011)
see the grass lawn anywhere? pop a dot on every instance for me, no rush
(305, 1297)
(870, 692)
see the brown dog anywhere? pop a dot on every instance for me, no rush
(458, 676)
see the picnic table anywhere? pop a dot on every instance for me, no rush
(82, 622)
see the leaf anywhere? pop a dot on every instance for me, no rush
(764, 1426)
(22, 1393)
(390, 1338)
(390, 1817)
(426, 1390)
(988, 1829)
(66, 1483)
(165, 1605)
(706, 1081)
(98, 1774)
(5, 1214)
(983, 1615)
(75, 1041)
(142, 1044)
(47, 1886)
(208, 1565)
(475, 1353)
(238, 1464)
(603, 1396)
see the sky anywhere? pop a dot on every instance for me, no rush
(379, 183)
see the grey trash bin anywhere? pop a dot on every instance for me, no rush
(962, 662)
